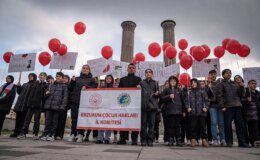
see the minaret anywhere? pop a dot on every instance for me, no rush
(127, 49)
(168, 36)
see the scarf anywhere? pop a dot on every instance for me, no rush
(5, 89)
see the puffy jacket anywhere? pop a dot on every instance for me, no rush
(252, 108)
(58, 97)
(6, 102)
(173, 106)
(76, 86)
(149, 100)
(212, 94)
(197, 99)
(229, 94)
(36, 95)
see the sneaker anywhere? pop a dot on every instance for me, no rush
(106, 141)
(134, 143)
(99, 142)
(215, 143)
(188, 143)
(150, 144)
(50, 138)
(115, 139)
(58, 138)
(256, 143)
(36, 137)
(121, 142)
(71, 138)
(223, 143)
(244, 145)
(171, 142)
(44, 138)
(210, 143)
(229, 145)
(21, 136)
(13, 135)
(79, 138)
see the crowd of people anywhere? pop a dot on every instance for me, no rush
(204, 111)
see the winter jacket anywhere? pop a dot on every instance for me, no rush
(23, 91)
(197, 99)
(252, 108)
(212, 94)
(149, 101)
(229, 94)
(36, 95)
(173, 106)
(129, 81)
(58, 97)
(6, 102)
(76, 86)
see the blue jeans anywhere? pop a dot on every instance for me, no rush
(217, 123)
(104, 135)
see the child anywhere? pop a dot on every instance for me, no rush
(7, 96)
(35, 102)
(56, 101)
(196, 104)
(105, 135)
(174, 107)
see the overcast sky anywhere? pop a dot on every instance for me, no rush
(27, 25)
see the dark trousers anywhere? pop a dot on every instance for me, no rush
(61, 124)
(95, 133)
(198, 122)
(156, 130)
(185, 129)
(37, 116)
(19, 121)
(234, 113)
(74, 119)
(165, 133)
(124, 136)
(2, 119)
(174, 127)
(208, 121)
(253, 131)
(147, 125)
(51, 122)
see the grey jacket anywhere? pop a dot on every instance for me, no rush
(149, 101)
(58, 97)
(197, 99)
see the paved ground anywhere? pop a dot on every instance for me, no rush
(60, 150)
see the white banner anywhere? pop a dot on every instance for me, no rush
(66, 62)
(252, 73)
(201, 69)
(172, 70)
(110, 109)
(22, 62)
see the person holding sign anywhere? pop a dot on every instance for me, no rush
(85, 80)
(129, 81)
(21, 107)
(7, 96)
(149, 107)
(174, 107)
(196, 104)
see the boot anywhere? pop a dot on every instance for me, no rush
(204, 143)
(193, 143)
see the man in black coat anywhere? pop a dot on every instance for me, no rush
(7, 96)
(129, 81)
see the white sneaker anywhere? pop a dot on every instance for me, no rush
(50, 138)
(215, 143)
(79, 138)
(44, 138)
(188, 143)
(21, 136)
(223, 143)
(35, 137)
(71, 138)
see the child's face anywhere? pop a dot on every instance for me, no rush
(202, 84)
(85, 70)
(173, 82)
(31, 78)
(148, 74)
(42, 77)
(252, 85)
(59, 78)
(8, 79)
(108, 80)
(227, 75)
(65, 80)
(194, 84)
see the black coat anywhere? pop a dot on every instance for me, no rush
(76, 86)
(129, 81)
(173, 106)
(23, 91)
(36, 95)
(251, 109)
(149, 101)
(7, 101)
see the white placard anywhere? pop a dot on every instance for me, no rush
(252, 73)
(22, 62)
(201, 69)
(110, 109)
(172, 70)
(66, 62)
(100, 66)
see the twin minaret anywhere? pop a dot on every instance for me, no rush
(127, 49)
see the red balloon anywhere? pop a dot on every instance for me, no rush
(134, 61)
(198, 53)
(80, 28)
(7, 56)
(244, 51)
(185, 79)
(62, 50)
(154, 49)
(186, 61)
(207, 50)
(224, 43)
(191, 50)
(44, 58)
(54, 44)
(140, 57)
(183, 44)
(181, 54)
(233, 46)
(170, 52)
(219, 51)
(165, 45)
(107, 52)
